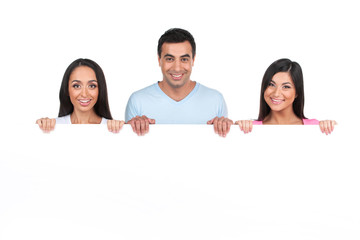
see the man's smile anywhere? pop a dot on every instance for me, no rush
(177, 76)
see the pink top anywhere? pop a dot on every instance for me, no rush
(305, 121)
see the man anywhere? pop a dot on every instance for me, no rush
(177, 99)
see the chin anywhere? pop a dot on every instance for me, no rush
(178, 85)
(85, 109)
(175, 84)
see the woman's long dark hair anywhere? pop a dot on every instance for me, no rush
(101, 107)
(283, 65)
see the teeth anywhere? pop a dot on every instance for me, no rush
(176, 75)
(84, 101)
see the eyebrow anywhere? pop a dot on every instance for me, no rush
(169, 55)
(186, 55)
(78, 81)
(287, 83)
(283, 83)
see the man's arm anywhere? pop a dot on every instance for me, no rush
(221, 123)
(131, 110)
(223, 111)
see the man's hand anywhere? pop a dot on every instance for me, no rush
(140, 124)
(221, 125)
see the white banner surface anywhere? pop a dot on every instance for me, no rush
(179, 182)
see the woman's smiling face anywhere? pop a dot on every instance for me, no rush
(280, 93)
(83, 88)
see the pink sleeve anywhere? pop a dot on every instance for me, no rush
(310, 122)
(257, 122)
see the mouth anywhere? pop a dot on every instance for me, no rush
(84, 102)
(176, 76)
(277, 101)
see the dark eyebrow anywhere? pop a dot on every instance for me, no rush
(183, 56)
(282, 83)
(186, 55)
(169, 55)
(78, 81)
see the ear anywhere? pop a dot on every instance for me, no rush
(193, 60)
(159, 60)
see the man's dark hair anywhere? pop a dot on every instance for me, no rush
(177, 35)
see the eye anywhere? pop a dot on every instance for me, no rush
(271, 84)
(287, 86)
(76, 86)
(92, 86)
(169, 59)
(185, 59)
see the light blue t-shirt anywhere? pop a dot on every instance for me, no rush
(201, 105)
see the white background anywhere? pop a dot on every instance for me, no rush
(236, 42)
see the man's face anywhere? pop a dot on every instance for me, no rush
(176, 63)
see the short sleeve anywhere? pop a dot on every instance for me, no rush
(63, 120)
(223, 108)
(103, 121)
(310, 122)
(257, 122)
(131, 110)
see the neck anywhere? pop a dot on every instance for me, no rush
(89, 117)
(282, 118)
(177, 93)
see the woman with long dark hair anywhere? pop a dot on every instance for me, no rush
(282, 99)
(83, 98)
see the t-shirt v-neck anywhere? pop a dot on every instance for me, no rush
(172, 101)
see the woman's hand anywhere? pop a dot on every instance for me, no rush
(245, 125)
(221, 125)
(115, 126)
(327, 126)
(46, 124)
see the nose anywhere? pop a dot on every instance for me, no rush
(177, 65)
(277, 92)
(84, 92)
